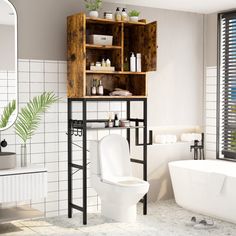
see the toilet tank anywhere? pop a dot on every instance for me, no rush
(94, 160)
(114, 159)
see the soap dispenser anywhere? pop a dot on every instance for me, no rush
(117, 14)
(124, 15)
(132, 63)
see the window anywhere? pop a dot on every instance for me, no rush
(226, 117)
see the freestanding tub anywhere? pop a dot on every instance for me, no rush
(205, 186)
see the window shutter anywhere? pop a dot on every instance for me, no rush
(227, 85)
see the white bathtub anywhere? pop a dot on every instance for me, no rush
(207, 187)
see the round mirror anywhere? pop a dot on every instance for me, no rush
(8, 65)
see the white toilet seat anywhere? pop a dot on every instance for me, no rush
(126, 181)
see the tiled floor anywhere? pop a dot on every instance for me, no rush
(164, 219)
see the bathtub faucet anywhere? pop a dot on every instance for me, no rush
(3, 144)
(198, 149)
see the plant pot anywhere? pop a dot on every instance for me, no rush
(133, 18)
(93, 14)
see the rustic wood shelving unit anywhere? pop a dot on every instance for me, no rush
(139, 37)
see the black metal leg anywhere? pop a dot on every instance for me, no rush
(128, 118)
(84, 162)
(145, 152)
(69, 143)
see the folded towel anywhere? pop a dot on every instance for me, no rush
(189, 137)
(121, 93)
(96, 125)
(165, 138)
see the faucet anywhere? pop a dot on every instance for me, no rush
(198, 148)
(3, 144)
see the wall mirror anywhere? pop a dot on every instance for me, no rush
(8, 65)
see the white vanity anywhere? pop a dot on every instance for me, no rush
(23, 184)
(19, 185)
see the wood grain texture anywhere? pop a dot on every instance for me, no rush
(150, 52)
(76, 55)
(128, 37)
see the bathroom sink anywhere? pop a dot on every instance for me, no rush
(7, 160)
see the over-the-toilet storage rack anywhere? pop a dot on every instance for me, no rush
(139, 37)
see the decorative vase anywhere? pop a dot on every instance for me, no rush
(133, 18)
(93, 14)
(23, 155)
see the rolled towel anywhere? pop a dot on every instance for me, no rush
(160, 139)
(189, 137)
(165, 138)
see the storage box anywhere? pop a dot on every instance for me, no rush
(102, 68)
(100, 39)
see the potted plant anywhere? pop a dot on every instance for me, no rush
(93, 6)
(29, 119)
(134, 15)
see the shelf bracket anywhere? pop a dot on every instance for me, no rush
(137, 143)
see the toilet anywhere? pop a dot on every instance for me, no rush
(111, 177)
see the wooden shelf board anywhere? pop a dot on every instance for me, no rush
(94, 46)
(115, 72)
(106, 21)
(113, 97)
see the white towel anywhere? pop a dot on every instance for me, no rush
(216, 182)
(189, 137)
(165, 138)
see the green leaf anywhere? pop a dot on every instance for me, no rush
(7, 112)
(30, 116)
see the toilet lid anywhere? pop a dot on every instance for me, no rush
(126, 181)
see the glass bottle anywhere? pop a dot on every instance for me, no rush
(23, 155)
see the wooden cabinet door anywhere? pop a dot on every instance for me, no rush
(76, 44)
(150, 47)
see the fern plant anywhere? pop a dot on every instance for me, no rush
(93, 5)
(7, 113)
(30, 116)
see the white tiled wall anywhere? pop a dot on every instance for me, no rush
(210, 112)
(48, 147)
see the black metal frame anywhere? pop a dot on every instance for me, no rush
(218, 118)
(83, 128)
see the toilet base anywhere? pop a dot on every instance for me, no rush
(119, 213)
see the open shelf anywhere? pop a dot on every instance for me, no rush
(110, 47)
(107, 21)
(114, 97)
(112, 128)
(115, 72)
(135, 83)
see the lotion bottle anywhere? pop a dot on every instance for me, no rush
(139, 63)
(93, 89)
(132, 63)
(100, 88)
(124, 15)
(117, 14)
(116, 121)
